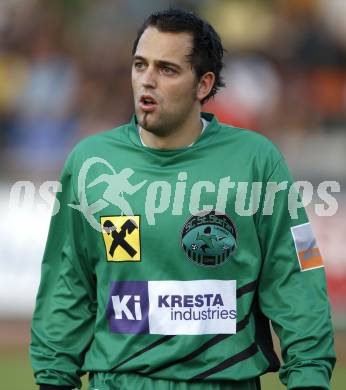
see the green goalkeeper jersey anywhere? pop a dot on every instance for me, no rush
(172, 263)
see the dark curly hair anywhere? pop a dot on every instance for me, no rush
(207, 52)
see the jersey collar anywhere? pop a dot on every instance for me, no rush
(204, 138)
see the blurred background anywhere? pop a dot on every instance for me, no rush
(65, 74)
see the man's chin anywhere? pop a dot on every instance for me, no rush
(151, 123)
(144, 119)
(148, 123)
(153, 128)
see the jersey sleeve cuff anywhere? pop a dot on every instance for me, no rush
(308, 377)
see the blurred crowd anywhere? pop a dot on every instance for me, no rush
(65, 70)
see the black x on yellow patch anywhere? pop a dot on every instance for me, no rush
(121, 235)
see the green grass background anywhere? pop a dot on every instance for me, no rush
(16, 374)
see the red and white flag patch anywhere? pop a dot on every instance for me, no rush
(308, 254)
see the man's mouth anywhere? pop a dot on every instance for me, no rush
(147, 103)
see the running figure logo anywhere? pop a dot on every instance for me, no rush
(118, 186)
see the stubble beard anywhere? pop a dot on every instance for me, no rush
(159, 130)
(165, 124)
(144, 123)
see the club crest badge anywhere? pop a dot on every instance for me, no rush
(209, 238)
(121, 235)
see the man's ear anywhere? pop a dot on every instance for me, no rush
(205, 84)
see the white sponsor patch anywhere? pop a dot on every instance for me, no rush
(173, 307)
(192, 307)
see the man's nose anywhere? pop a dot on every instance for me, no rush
(149, 78)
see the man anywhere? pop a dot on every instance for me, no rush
(178, 294)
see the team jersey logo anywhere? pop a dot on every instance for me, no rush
(172, 307)
(209, 238)
(308, 254)
(121, 235)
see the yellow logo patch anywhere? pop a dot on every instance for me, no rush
(121, 235)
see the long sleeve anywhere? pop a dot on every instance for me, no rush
(63, 321)
(292, 292)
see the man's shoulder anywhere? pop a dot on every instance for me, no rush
(250, 140)
(114, 135)
(99, 144)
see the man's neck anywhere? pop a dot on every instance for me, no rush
(180, 138)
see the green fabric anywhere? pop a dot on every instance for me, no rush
(301, 320)
(309, 374)
(130, 381)
(71, 333)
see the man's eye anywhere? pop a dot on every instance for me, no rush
(138, 65)
(168, 71)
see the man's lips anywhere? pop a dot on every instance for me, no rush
(147, 103)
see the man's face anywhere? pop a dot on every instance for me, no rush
(163, 81)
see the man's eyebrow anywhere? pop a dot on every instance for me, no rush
(159, 62)
(137, 57)
(168, 63)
